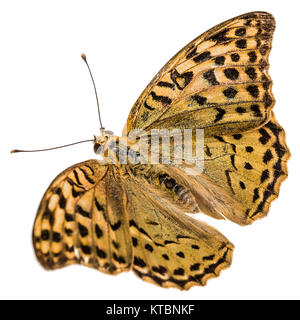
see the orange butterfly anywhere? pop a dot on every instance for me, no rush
(119, 217)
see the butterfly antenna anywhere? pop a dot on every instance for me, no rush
(66, 145)
(83, 56)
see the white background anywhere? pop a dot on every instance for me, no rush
(47, 100)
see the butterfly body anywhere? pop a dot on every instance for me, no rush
(125, 213)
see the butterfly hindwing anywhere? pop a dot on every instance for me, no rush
(251, 168)
(241, 175)
(169, 248)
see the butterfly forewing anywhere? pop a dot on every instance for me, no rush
(81, 219)
(219, 81)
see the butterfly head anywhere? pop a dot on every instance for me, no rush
(101, 140)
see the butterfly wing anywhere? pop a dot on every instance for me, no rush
(241, 176)
(93, 215)
(249, 167)
(219, 81)
(171, 249)
(81, 219)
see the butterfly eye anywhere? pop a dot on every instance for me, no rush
(98, 148)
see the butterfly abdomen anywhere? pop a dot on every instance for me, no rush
(168, 184)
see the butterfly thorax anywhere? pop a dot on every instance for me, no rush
(115, 150)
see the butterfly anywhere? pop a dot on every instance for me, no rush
(118, 217)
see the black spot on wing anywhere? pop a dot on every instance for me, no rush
(134, 241)
(250, 71)
(200, 100)
(265, 137)
(116, 225)
(160, 269)
(169, 242)
(98, 231)
(56, 237)
(98, 205)
(210, 77)
(162, 99)
(255, 195)
(62, 201)
(148, 247)
(139, 262)
(264, 176)
(186, 77)
(100, 253)
(148, 107)
(202, 57)
(248, 166)
(253, 90)
(267, 100)
(192, 53)
(76, 177)
(119, 259)
(207, 151)
(230, 93)
(69, 217)
(87, 177)
(179, 272)
(133, 224)
(241, 44)
(180, 254)
(242, 185)
(227, 174)
(195, 267)
(69, 232)
(220, 60)
(83, 231)
(237, 136)
(267, 156)
(240, 110)
(220, 114)
(252, 56)
(90, 168)
(165, 84)
(235, 57)
(256, 110)
(45, 235)
(208, 258)
(232, 159)
(240, 32)
(153, 223)
(78, 209)
(220, 36)
(231, 73)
